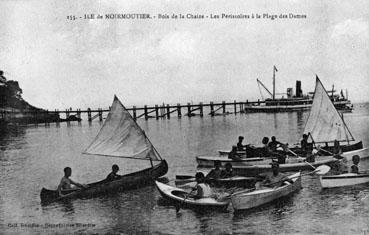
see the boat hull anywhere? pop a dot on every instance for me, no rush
(179, 197)
(126, 182)
(348, 179)
(246, 200)
(297, 166)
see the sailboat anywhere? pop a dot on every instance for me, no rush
(325, 125)
(120, 136)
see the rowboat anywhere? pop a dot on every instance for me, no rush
(348, 179)
(126, 182)
(245, 199)
(234, 181)
(180, 197)
(120, 136)
(208, 161)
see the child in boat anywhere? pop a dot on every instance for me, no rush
(66, 183)
(233, 154)
(274, 178)
(240, 146)
(355, 167)
(203, 189)
(227, 172)
(215, 173)
(113, 175)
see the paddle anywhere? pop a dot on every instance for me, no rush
(178, 206)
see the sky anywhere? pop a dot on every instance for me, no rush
(61, 63)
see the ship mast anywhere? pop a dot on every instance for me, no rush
(274, 70)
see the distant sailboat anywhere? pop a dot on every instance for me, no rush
(120, 136)
(325, 124)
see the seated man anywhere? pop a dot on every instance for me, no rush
(339, 167)
(233, 154)
(215, 173)
(355, 167)
(227, 172)
(240, 146)
(113, 175)
(274, 144)
(337, 148)
(274, 178)
(66, 183)
(203, 189)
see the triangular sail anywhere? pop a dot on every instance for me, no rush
(120, 136)
(324, 122)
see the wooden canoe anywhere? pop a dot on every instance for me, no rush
(245, 199)
(208, 161)
(344, 148)
(287, 167)
(234, 181)
(348, 179)
(180, 197)
(126, 182)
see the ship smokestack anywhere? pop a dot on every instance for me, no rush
(298, 89)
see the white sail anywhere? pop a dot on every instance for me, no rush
(120, 136)
(324, 122)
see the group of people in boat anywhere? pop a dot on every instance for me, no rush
(66, 184)
(270, 179)
(269, 148)
(217, 173)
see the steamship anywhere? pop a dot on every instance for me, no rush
(296, 101)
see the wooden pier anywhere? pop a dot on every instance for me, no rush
(164, 111)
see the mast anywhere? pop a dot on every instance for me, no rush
(274, 70)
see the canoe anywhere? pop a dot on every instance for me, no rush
(362, 153)
(208, 161)
(344, 148)
(286, 167)
(226, 152)
(126, 182)
(235, 181)
(245, 199)
(348, 179)
(178, 197)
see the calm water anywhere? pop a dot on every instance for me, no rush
(34, 157)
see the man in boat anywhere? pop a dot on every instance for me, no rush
(240, 146)
(265, 151)
(203, 189)
(215, 173)
(233, 154)
(113, 174)
(339, 167)
(274, 144)
(337, 148)
(355, 166)
(227, 172)
(274, 178)
(66, 183)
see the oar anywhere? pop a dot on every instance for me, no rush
(178, 206)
